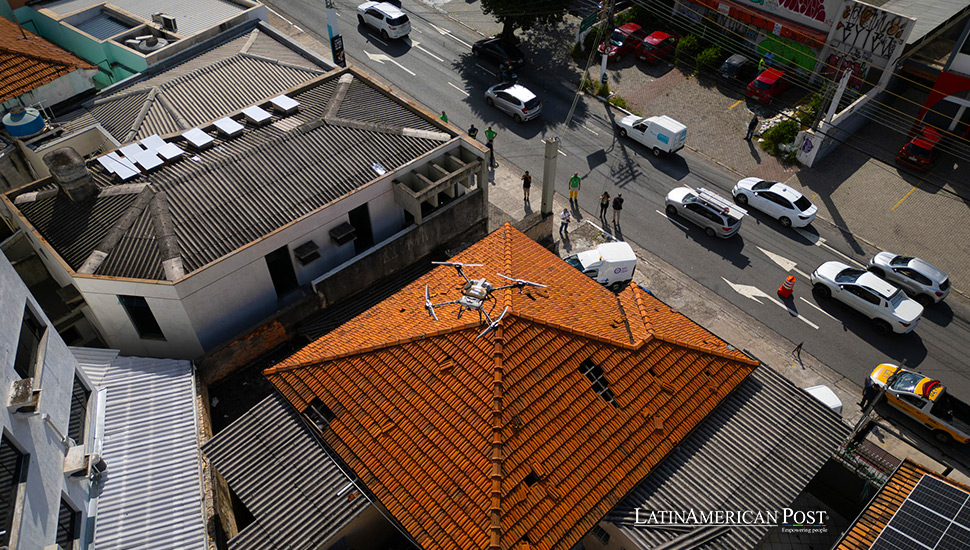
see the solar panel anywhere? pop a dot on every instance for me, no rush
(170, 151)
(285, 104)
(933, 517)
(148, 160)
(131, 150)
(123, 168)
(153, 142)
(229, 127)
(198, 138)
(256, 115)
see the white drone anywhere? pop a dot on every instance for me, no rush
(474, 295)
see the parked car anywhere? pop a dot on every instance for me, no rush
(888, 307)
(387, 18)
(656, 47)
(623, 40)
(919, 152)
(737, 67)
(497, 51)
(715, 214)
(768, 85)
(925, 400)
(514, 99)
(923, 281)
(661, 134)
(778, 200)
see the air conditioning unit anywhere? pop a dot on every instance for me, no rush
(78, 463)
(23, 397)
(166, 21)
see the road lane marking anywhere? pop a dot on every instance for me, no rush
(818, 308)
(479, 65)
(561, 153)
(673, 221)
(736, 103)
(447, 33)
(906, 195)
(590, 130)
(381, 58)
(457, 88)
(817, 240)
(375, 39)
(417, 45)
(754, 293)
(784, 263)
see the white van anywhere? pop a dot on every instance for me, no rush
(661, 134)
(609, 264)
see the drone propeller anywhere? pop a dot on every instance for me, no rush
(520, 283)
(427, 303)
(492, 325)
(458, 266)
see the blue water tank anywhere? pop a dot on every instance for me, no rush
(22, 123)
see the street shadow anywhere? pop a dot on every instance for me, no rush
(527, 207)
(940, 314)
(595, 159)
(761, 218)
(673, 165)
(753, 148)
(731, 249)
(392, 47)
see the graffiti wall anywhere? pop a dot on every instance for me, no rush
(787, 52)
(864, 37)
(817, 14)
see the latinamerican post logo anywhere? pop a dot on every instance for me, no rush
(788, 519)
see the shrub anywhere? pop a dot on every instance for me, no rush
(808, 112)
(623, 18)
(782, 133)
(709, 58)
(589, 85)
(604, 90)
(619, 102)
(688, 47)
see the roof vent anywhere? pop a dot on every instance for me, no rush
(72, 176)
(147, 43)
(166, 21)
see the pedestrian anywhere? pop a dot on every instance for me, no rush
(564, 223)
(869, 393)
(472, 131)
(526, 185)
(617, 208)
(604, 204)
(444, 117)
(761, 65)
(575, 183)
(489, 142)
(752, 125)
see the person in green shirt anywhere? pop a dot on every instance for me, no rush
(444, 117)
(575, 183)
(489, 139)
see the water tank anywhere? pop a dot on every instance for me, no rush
(23, 123)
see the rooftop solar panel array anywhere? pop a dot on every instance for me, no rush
(935, 516)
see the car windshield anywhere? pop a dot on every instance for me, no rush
(897, 298)
(803, 204)
(918, 151)
(532, 103)
(732, 221)
(901, 260)
(762, 85)
(848, 275)
(907, 381)
(397, 21)
(574, 261)
(649, 47)
(617, 38)
(762, 185)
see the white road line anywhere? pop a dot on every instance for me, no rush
(479, 65)
(802, 273)
(673, 221)
(817, 240)
(457, 88)
(467, 45)
(431, 54)
(818, 308)
(795, 314)
(757, 294)
(403, 68)
(561, 153)
(375, 39)
(588, 129)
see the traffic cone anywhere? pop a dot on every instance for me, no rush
(786, 288)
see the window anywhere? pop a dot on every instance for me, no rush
(68, 526)
(319, 414)
(531, 479)
(600, 384)
(13, 472)
(141, 316)
(912, 400)
(600, 534)
(79, 411)
(31, 332)
(914, 275)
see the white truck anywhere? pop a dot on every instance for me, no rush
(610, 264)
(661, 134)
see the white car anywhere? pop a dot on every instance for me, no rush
(384, 17)
(920, 279)
(888, 307)
(778, 200)
(661, 134)
(514, 99)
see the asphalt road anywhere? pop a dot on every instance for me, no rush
(436, 66)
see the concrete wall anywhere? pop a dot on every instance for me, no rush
(74, 83)
(36, 519)
(85, 142)
(14, 171)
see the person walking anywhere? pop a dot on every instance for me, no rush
(617, 208)
(564, 223)
(752, 125)
(490, 143)
(575, 183)
(526, 185)
(444, 117)
(604, 204)
(869, 392)
(472, 132)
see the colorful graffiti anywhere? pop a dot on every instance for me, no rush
(817, 14)
(836, 65)
(809, 8)
(862, 29)
(787, 52)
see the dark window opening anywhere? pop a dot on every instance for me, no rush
(359, 218)
(71, 336)
(600, 534)
(68, 526)
(531, 479)
(319, 414)
(239, 510)
(79, 411)
(596, 377)
(13, 472)
(141, 316)
(281, 271)
(31, 332)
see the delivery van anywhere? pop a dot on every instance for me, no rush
(661, 134)
(609, 264)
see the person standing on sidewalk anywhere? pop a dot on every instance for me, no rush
(489, 142)
(617, 208)
(575, 183)
(604, 204)
(751, 127)
(472, 132)
(564, 223)
(526, 185)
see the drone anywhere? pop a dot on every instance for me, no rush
(474, 295)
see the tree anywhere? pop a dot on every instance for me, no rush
(516, 14)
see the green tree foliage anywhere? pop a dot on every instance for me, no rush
(709, 58)
(688, 47)
(516, 14)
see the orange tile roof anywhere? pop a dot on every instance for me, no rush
(887, 501)
(26, 64)
(491, 442)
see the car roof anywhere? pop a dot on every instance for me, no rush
(876, 285)
(518, 91)
(668, 123)
(770, 76)
(785, 191)
(629, 28)
(657, 37)
(736, 59)
(927, 269)
(387, 9)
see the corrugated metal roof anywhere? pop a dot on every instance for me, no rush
(929, 15)
(94, 361)
(756, 451)
(297, 493)
(192, 17)
(151, 495)
(102, 26)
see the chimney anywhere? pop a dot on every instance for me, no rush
(72, 176)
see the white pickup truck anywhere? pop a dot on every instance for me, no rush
(926, 400)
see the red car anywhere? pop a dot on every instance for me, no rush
(657, 47)
(919, 153)
(767, 86)
(624, 39)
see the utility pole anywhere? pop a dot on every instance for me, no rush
(336, 41)
(606, 41)
(549, 174)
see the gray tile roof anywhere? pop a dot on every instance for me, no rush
(297, 493)
(192, 17)
(241, 189)
(756, 451)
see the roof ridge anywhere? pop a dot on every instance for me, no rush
(642, 308)
(272, 61)
(497, 459)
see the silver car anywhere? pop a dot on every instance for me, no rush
(715, 214)
(514, 99)
(926, 283)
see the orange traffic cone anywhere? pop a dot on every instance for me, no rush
(786, 288)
